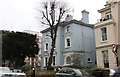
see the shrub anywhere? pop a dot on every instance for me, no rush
(26, 68)
(93, 69)
(96, 69)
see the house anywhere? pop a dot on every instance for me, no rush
(107, 35)
(34, 61)
(72, 36)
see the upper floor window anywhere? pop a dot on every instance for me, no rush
(67, 42)
(45, 46)
(47, 35)
(108, 15)
(68, 29)
(104, 34)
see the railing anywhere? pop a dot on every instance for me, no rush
(104, 19)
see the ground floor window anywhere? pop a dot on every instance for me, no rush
(68, 60)
(105, 58)
(46, 61)
(53, 60)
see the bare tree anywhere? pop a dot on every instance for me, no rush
(53, 12)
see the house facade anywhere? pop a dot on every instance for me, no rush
(37, 59)
(73, 36)
(107, 35)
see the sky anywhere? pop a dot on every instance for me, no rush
(20, 15)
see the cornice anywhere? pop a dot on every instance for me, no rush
(104, 46)
(64, 23)
(103, 23)
(104, 9)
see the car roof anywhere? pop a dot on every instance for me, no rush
(69, 68)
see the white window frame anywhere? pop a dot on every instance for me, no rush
(104, 36)
(108, 15)
(45, 48)
(68, 29)
(45, 62)
(66, 43)
(105, 55)
(55, 60)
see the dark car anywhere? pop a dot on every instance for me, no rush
(72, 72)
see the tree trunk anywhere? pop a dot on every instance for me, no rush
(49, 67)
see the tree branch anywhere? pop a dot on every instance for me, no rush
(46, 19)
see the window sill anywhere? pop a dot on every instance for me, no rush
(89, 61)
(45, 50)
(104, 41)
(67, 32)
(67, 47)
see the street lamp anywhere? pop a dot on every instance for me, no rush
(33, 70)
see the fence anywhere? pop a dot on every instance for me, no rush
(41, 73)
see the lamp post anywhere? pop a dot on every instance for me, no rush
(33, 70)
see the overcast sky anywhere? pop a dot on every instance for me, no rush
(20, 15)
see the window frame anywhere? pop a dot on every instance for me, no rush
(46, 47)
(105, 56)
(108, 15)
(45, 61)
(104, 36)
(54, 58)
(68, 29)
(66, 42)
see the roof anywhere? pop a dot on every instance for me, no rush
(104, 9)
(108, 5)
(64, 23)
(110, 1)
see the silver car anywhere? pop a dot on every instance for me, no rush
(115, 72)
(6, 72)
(72, 72)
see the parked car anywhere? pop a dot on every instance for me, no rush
(109, 72)
(15, 70)
(6, 72)
(72, 72)
(115, 72)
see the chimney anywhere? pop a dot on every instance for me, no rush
(85, 16)
(68, 17)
